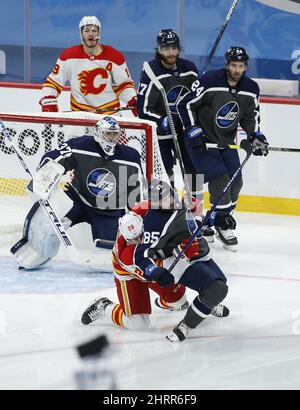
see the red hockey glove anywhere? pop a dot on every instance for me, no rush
(133, 105)
(192, 251)
(49, 103)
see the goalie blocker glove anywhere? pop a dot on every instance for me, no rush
(46, 179)
(49, 103)
(260, 145)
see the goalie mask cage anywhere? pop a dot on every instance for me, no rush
(37, 133)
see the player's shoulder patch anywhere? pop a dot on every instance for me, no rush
(111, 54)
(72, 52)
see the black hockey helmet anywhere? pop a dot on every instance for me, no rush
(159, 189)
(167, 37)
(237, 54)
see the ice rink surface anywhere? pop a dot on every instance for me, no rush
(256, 347)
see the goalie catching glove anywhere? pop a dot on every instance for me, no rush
(46, 179)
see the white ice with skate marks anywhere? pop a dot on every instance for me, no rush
(258, 346)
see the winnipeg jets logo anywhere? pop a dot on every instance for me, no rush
(174, 95)
(101, 182)
(227, 114)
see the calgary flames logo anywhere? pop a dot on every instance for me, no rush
(87, 81)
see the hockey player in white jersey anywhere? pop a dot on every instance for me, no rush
(97, 73)
(105, 178)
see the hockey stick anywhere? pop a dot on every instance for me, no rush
(148, 70)
(248, 148)
(275, 149)
(113, 109)
(221, 32)
(55, 222)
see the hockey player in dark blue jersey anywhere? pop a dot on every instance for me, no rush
(167, 226)
(176, 76)
(220, 101)
(103, 177)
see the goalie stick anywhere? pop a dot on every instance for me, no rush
(218, 39)
(148, 70)
(47, 208)
(245, 145)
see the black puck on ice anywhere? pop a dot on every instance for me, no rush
(93, 347)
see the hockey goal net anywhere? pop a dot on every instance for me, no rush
(35, 134)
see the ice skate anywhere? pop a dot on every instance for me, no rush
(220, 311)
(228, 239)
(179, 333)
(95, 311)
(209, 235)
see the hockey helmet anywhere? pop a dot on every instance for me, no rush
(131, 226)
(158, 190)
(237, 54)
(107, 134)
(167, 37)
(89, 21)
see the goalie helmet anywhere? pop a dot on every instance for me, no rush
(107, 134)
(237, 54)
(89, 21)
(167, 37)
(131, 226)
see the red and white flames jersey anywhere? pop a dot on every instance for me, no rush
(123, 258)
(97, 81)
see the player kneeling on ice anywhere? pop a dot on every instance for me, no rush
(103, 175)
(148, 241)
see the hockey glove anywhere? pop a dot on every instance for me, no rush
(46, 179)
(163, 127)
(133, 105)
(192, 251)
(260, 145)
(223, 221)
(198, 249)
(194, 137)
(160, 275)
(49, 104)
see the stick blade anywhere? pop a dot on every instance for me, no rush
(148, 70)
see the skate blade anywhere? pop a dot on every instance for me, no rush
(172, 338)
(209, 239)
(231, 248)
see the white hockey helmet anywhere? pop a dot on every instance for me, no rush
(131, 226)
(107, 134)
(89, 21)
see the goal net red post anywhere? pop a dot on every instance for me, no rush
(35, 134)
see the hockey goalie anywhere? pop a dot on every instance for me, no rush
(105, 179)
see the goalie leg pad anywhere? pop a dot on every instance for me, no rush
(40, 242)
